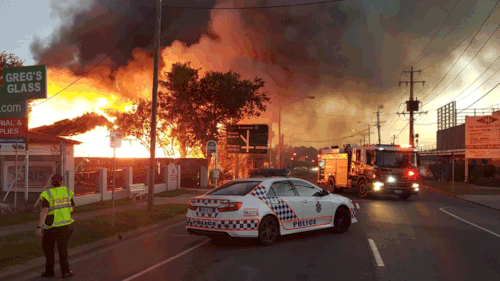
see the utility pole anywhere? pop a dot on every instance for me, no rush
(411, 105)
(154, 106)
(378, 122)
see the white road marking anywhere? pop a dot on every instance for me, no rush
(357, 205)
(473, 224)
(166, 261)
(376, 254)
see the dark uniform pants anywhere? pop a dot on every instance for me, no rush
(50, 237)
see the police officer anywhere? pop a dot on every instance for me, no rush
(55, 220)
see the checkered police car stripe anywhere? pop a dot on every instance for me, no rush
(250, 224)
(279, 207)
(353, 213)
(207, 202)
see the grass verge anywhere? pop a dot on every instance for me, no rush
(19, 218)
(22, 247)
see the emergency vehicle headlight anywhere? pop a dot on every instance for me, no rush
(377, 185)
(415, 185)
(391, 179)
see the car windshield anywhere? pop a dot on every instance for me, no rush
(395, 159)
(238, 188)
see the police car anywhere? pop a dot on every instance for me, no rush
(267, 205)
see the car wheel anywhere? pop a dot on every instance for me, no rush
(342, 220)
(405, 196)
(362, 188)
(268, 230)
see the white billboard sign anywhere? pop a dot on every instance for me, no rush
(482, 136)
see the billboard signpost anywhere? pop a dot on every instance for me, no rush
(20, 84)
(248, 139)
(13, 134)
(23, 83)
(482, 138)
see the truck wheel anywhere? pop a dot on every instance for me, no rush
(362, 188)
(405, 196)
(331, 186)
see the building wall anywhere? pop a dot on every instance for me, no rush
(44, 159)
(452, 138)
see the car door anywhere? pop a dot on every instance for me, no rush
(317, 210)
(285, 203)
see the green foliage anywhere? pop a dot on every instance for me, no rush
(200, 107)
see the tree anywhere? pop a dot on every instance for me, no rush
(8, 60)
(136, 124)
(200, 108)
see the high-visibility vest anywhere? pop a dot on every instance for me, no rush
(59, 199)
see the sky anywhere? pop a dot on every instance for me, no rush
(350, 56)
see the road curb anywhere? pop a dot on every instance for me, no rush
(451, 195)
(38, 264)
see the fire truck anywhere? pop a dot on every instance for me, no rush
(370, 169)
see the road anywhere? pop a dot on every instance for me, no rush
(428, 237)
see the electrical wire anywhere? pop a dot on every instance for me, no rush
(179, 7)
(434, 36)
(453, 80)
(470, 43)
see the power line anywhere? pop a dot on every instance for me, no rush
(461, 55)
(480, 98)
(181, 7)
(97, 64)
(253, 7)
(433, 36)
(453, 80)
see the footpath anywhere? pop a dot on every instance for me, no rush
(481, 195)
(15, 270)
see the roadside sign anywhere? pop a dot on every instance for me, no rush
(14, 109)
(482, 136)
(116, 140)
(27, 82)
(211, 146)
(13, 127)
(251, 139)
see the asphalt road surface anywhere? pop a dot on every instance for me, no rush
(428, 237)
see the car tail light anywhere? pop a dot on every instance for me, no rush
(230, 206)
(190, 206)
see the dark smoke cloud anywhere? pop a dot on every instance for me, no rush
(90, 30)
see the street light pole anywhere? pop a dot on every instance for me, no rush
(279, 128)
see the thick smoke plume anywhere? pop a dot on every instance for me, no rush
(349, 54)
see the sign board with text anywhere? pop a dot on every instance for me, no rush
(116, 139)
(13, 134)
(27, 82)
(14, 109)
(211, 146)
(482, 136)
(251, 139)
